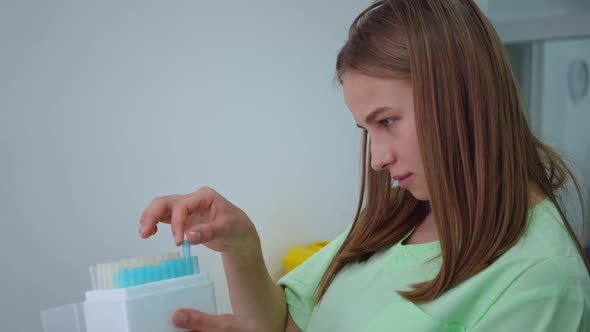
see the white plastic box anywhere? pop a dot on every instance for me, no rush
(143, 308)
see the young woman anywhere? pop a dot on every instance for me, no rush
(472, 237)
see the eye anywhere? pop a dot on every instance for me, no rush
(387, 122)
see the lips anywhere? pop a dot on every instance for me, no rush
(400, 177)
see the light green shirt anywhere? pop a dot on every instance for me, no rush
(540, 284)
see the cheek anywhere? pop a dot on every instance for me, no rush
(408, 147)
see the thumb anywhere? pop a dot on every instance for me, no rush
(200, 321)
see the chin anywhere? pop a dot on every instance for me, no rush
(421, 196)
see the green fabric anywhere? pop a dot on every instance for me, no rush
(540, 284)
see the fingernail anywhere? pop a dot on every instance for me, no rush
(140, 229)
(180, 318)
(194, 237)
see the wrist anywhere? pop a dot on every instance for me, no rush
(248, 247)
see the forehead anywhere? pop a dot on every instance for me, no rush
(364, 93)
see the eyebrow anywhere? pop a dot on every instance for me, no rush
(374, 113)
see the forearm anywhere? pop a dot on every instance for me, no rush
(252, 292)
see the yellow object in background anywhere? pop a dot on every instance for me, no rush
(298, 255)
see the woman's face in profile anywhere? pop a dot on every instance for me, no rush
(385, 108)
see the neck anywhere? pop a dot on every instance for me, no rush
(427, 232)
(424, 232)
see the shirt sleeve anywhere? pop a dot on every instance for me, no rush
(543, 299)
(300, 284)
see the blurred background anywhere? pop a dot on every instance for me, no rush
(548, 43)
(105, 105)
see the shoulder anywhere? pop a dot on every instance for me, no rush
(551, 295)
(546, 254)
(312, 269)
(543, 268)
(543, 278)
(546, 235)
(301, 283)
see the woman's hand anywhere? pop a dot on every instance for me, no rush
(199, 321)
(207, 217)
(204, 216)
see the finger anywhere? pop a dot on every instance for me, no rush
(192, 233)
(178, 221)
(205, 232)
(155, 230)
(200, 321)
(158, 209)
(199, 202)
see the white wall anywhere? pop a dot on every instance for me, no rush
(483, 5)
(106, 104)
(499, 10)
(563, 122)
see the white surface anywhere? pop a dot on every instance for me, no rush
(147, 308)
(107, 104)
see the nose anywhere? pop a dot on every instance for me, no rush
(382, 154)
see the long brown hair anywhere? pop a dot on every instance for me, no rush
(478, 150)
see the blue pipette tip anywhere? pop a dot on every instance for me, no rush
(186, 249)
(186, 253)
